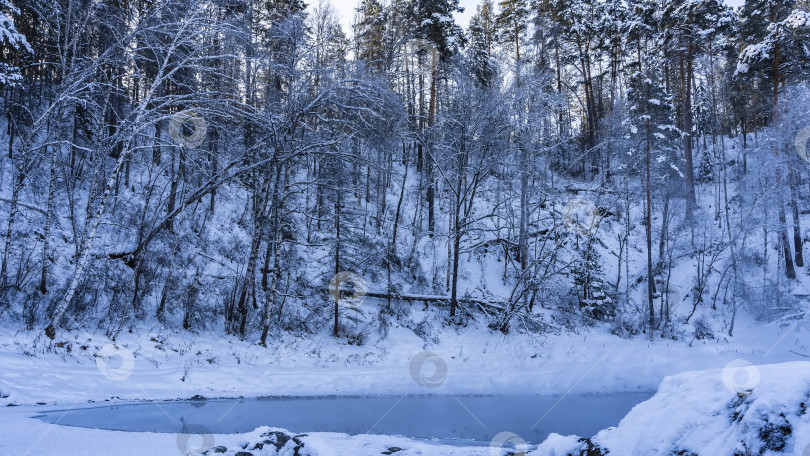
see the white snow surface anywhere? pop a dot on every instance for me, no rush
(697, 412)
(690, 410)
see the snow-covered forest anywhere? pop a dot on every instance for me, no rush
(180, 174)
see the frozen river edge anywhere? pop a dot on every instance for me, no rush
(754, 410)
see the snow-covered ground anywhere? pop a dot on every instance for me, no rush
(739, 410)
(79, 369)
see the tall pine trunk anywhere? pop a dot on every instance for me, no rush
(648, 229)
(686, 128)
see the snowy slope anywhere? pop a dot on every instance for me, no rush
(171, 365)
(742, 410)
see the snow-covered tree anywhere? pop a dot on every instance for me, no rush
(652, 130)
(13, 44)
(370, 34)
(481, 37)
(512, 23)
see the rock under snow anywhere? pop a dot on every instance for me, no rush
(739, 410)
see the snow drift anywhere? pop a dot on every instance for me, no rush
(740, 410)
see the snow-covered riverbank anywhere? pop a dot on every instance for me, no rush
(723, 412)
(742, 410)
(77, 367)
(81, 369)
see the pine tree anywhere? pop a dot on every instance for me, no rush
(778, 53)
(485, 19)
(274, 12)
(773, 37)
(589, 283)
(686, 25)
(580, 36)
(432, 20)
(482, 34)
(547, 39)
(512, 23)
(370, 34)
(14, 42)
(652, 128)
(641, 29)
(613, 23)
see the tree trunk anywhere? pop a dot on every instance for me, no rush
(790, 271)
(648, 229)
(664, 231)
(797, 229)
(272, 256)
(686, 128)
(43, 281)
(156, 145)
(399, 208)
(523, 236)
(11, 133)
(431, 185)
(90, 237)
(248, 289)
(213, 145)
(12, 213)
(454, 282)
(337, 258)
(172, 196)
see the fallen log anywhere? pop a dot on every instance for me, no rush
(434, 298)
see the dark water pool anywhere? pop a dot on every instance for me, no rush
(469, 418)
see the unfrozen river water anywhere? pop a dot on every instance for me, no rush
(468, 418)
